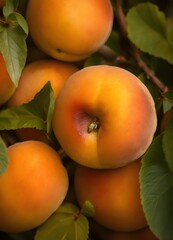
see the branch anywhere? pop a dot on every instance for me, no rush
(111, 56)
(134, 52)
(148, 71)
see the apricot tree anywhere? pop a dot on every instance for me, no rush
(138, 38)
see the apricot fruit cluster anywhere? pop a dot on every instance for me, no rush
(104, 120)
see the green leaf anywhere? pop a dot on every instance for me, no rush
(67, 223)
(94, 59)
(166, 105)
(88, 209)
(147, 29)
(19, 20)
(13, 40)
(1, 28)
(169, 96)
(3, 157)
(168, 144)
(114, 42)
(35, 114)
(14, 50)
(170, 30)
(156, 181)
(167, 101)
(10, 7)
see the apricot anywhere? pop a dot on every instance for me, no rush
(33, 186)
(2, 3)
(7, 87)
(69, 33)
(106, 234)
(34, 76)
(115, 195)
(104, 117)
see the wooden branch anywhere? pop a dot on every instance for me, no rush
(111, 56)
(134, 52)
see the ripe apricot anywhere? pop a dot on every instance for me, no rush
(69, 32)
(33, 186)
(34, 76)
(2, 3)
(7, 87)
(106, 234)
(104, 117)
(115, 195)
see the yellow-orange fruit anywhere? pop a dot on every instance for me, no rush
(7, 87)
(104, 117)
(33, 186)
(66, 28)
(106, 234)
(34, 76)
(2, 3)
(115, 195)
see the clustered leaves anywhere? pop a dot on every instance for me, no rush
(13, 33)
(143, 44)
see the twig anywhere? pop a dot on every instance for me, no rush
(148, 71)
(111, 56)
(134, 52)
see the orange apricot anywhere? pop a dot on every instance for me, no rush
(7, 87)
(2, 3)
(69, 32)
(115, 195)
(33, 186)
(102, 233)
(34, 76)
(104, 117)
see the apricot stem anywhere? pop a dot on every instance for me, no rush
(94, 126)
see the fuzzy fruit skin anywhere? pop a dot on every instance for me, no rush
(105, 234)
(34, 76)
(122, 105)
(2, 3)
(115, 195)
(7, 87)
(69, 33)
(33, 186)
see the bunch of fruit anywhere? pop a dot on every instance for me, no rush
(104, 119)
